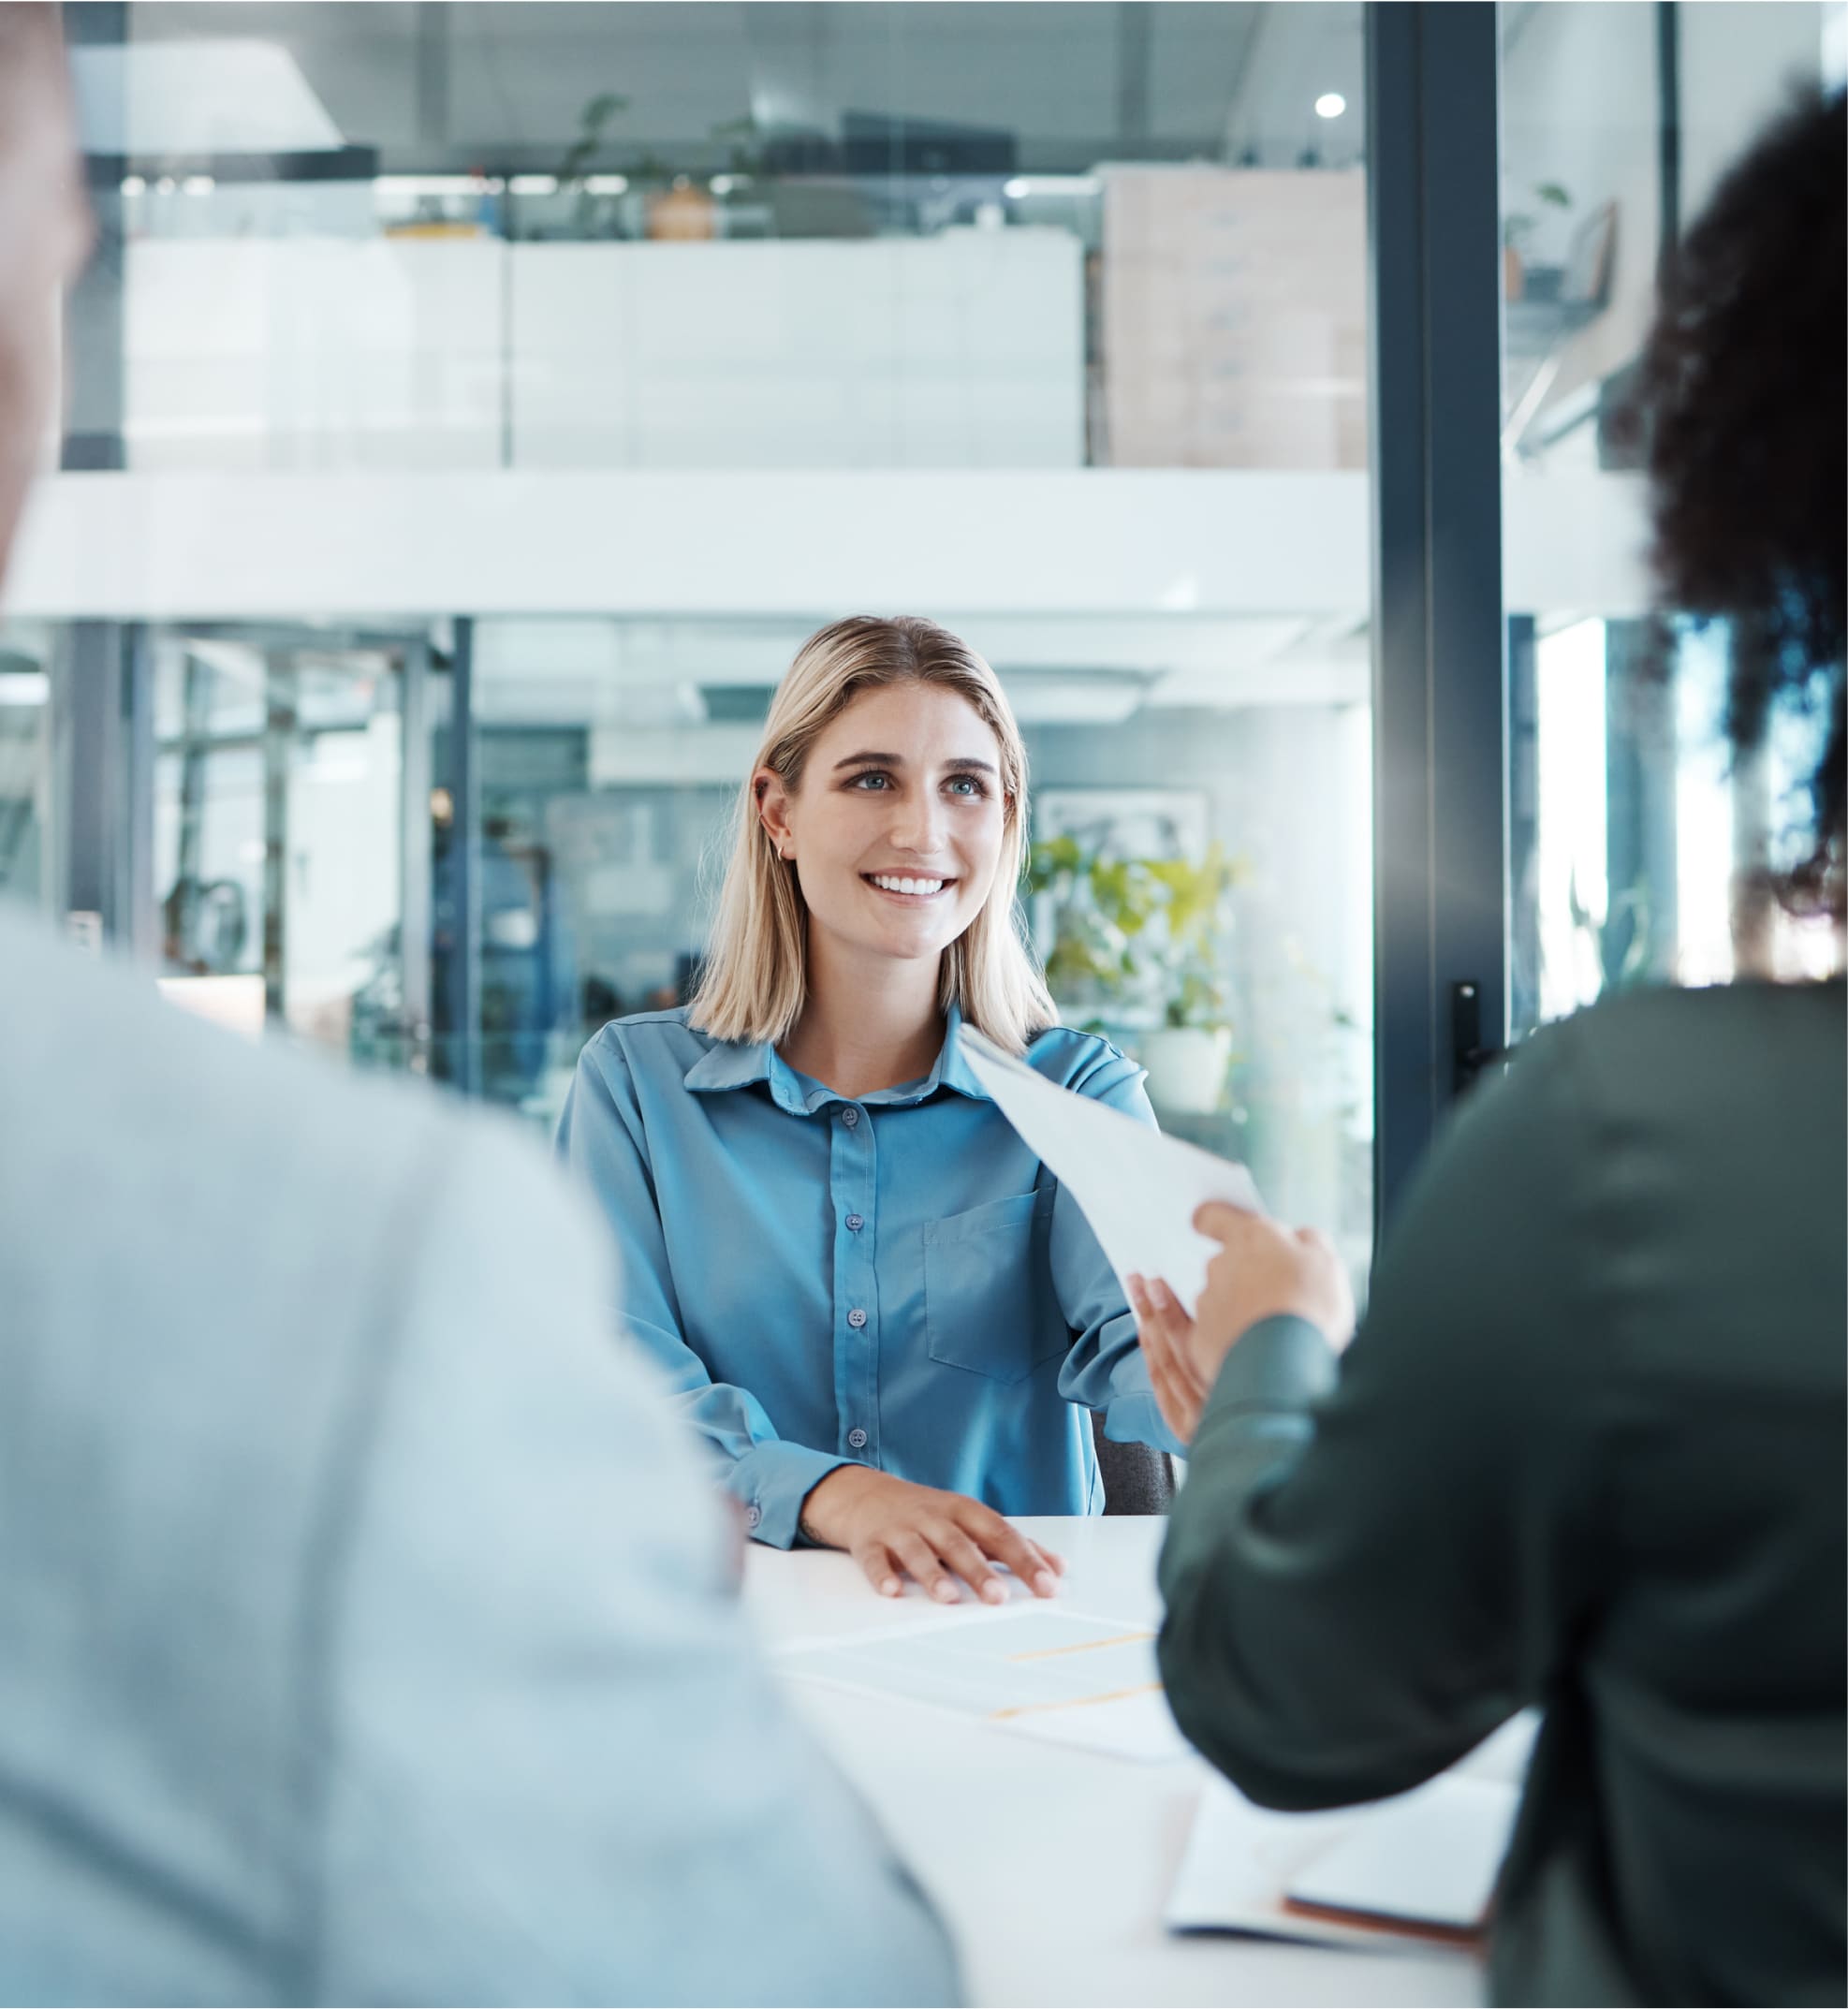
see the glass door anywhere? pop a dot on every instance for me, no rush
(289, 849)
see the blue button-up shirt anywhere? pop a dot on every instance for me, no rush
(895, 1279)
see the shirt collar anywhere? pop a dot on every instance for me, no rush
(731, 1064)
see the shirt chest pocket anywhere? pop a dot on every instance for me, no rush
(988, 1304)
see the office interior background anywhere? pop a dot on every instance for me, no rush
(469, 408)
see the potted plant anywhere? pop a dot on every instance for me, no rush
(1137, 939)
(1518, 228)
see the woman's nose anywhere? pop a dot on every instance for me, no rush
(918, 826)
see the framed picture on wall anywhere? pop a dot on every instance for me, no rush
(1125, 823)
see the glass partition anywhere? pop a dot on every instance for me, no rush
(664, 236)
(1632, 834)
(894, 245)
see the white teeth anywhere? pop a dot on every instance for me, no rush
(891, 885)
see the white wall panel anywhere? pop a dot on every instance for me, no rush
(965, 349)
(261, 354)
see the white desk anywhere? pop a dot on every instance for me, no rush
(1052, 1864)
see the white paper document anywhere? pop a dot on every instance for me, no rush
(1137, 1188)
(1397, 1871)
(1061, 1676)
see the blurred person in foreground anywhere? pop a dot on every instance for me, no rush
(367, 1631)
(1586, 1451)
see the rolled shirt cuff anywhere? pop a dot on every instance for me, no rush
(1135, 1417)
(770, 1482)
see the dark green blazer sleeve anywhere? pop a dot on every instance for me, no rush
(1370, 1565)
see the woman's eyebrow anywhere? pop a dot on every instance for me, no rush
(897, 761)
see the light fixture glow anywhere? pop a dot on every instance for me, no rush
(25, 687)
(1020, 185)
(1330, 105)
(132, 184)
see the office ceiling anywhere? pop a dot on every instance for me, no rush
(449, 87)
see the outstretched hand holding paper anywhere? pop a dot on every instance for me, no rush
(1137, 1188)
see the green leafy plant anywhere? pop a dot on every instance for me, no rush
(590, 141)
(1517, 226)
(1138, 933)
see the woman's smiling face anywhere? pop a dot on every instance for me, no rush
(896, 830)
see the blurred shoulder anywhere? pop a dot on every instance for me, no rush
(1668, 1041)
(1086, 1063)
(131, 1111)
(94, 1057)
(649, 1045)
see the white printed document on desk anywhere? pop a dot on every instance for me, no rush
(1032, 1669)
(1137, 1188)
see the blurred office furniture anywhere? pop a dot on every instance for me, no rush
(235, 1002)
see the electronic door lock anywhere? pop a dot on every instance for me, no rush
(1469, 1056)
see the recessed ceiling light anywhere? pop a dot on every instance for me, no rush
(1330, 105)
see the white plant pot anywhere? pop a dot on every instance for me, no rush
(1187, 1067)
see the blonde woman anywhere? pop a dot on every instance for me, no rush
(877, 1306)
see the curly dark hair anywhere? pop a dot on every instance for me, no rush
(1741, 409)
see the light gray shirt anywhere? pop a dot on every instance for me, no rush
(366, 1628)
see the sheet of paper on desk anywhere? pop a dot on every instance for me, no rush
(1244, 1862)
(1138, 1189)
(1037, 1670)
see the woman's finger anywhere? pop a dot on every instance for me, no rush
(882, 1573)
(967, 1559)
(916, 1552)
(1035, 1568)
(1180, 1410)
(1191, 1387)
(1155, 1351)
(1178, 1328)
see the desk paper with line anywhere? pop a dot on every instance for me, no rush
(1137, 1188)
(1031, 1668)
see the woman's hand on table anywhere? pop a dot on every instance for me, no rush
(1262, 1270)
(891, 1526)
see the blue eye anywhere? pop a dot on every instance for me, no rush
(871, 775)
(966, 785)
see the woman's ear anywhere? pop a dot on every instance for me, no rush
(773, 810)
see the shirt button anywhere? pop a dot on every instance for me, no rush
(752, 1515)
(850, 1117)
(856, 1440)
(855, 1318)
(855, 1223)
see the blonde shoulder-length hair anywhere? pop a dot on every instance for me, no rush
(757, 977)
